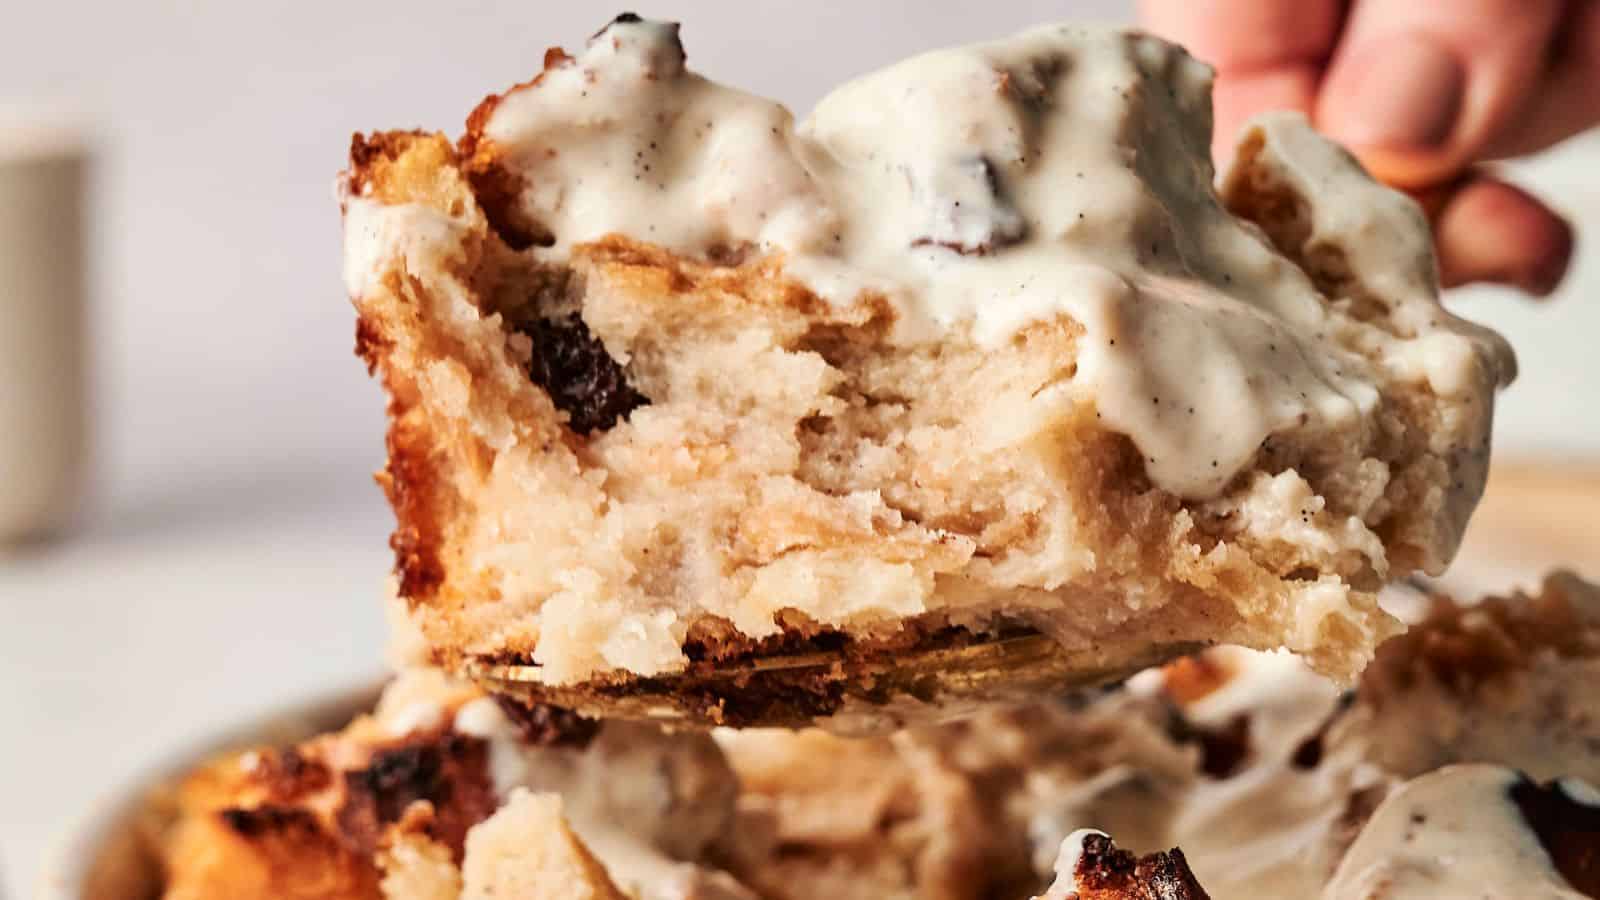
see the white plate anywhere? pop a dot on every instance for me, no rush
(106, 858)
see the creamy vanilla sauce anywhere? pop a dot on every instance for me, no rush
(377, 234)
(1451, 833)
(1065, 885)
(615, 802)
(1060, 172)
(1263, 833)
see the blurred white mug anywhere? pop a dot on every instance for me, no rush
(43, 357)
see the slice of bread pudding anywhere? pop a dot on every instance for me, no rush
(977, 347)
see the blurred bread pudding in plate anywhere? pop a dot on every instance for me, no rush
(1470, 738)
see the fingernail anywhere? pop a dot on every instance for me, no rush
(1546, 273)
(1403, 92)
(1495, 232)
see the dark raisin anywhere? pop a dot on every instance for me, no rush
(582, 379)
(548, 726)
(626, 18)
(449, 772)
(1308, 755)
(396, 778)
(253, 823)
(1223, 749)
(1568, 829)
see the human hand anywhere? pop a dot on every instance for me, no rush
(1423, 93)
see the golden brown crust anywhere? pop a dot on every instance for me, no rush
(267, 853)
(406, 167)
(447, 775)
(1106, 872)
(309, 821)
(1188, 679)
(400, 802)
(1466, 648)
(371, 345)
(370, 154)
(412, 480)
(496, 186)
(402, 166)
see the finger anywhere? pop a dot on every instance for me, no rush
(1567, 100)
(1247, 35)
(1419, 90)
(1237, 98)
(1490, 231)
(1268, 56)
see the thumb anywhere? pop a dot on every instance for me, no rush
(1419, 90)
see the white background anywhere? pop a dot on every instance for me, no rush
(233, 552)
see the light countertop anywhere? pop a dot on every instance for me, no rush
(137, 638)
